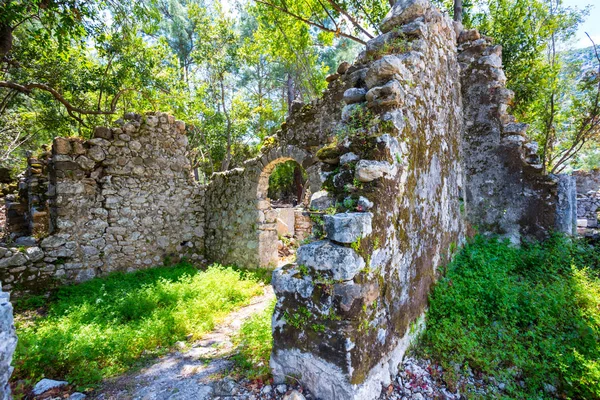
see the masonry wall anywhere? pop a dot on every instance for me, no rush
(588, 197)
(124, 200)
(506, 192)
(345, 309)
(8, 343)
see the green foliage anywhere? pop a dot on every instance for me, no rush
(284, 181)
(530, 313)
(105, 326)
(254, 342)
(299, 318)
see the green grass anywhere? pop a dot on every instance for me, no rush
(255, 341)
(530, 313)
(101, 328)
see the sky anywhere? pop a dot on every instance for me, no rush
(591, 24)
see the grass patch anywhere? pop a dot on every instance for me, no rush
(105, 326)
(254, 342)
(529, 313)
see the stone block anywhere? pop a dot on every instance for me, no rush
(343, 263)
(348, 227)
(369, 170)
(285, 221)
(103, 133)
(402, 12)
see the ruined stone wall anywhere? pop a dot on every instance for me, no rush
(8, 343)
(346, 307)
(588, 197)
(241, 227)
(123, 200)
(506, 192)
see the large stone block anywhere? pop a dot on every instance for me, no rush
(348, 227)
(404, 11)
(343, 263)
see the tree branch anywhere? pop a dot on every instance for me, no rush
(350, 18)
(29, 87)
(309, 22)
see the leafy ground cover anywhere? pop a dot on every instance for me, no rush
(254, 342)
(105, 326)
(529, 317)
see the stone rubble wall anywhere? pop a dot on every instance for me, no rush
(8, 343)
(124, 200)
(588, 197)
(347, 308)
(241, 226)
(506, 192)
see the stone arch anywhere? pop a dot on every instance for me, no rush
(267, 225)
(277, 156)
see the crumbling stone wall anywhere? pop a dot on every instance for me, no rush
(123, 200)
(506, 192)
(8, 343)
(345, 309)
(588, 197)
(241, 227)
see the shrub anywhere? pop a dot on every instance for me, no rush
(529, 313)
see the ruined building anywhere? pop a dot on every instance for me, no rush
(409, 150)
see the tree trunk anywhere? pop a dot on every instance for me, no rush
(290, 92)
(298, 184)
(227, 159)
(458, 10)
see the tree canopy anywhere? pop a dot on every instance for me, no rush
(231, 70)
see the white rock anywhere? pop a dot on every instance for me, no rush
(354, 95)
(404, 11)
(342, 262)
(321, 201)
(47, 384)
(369, 170)
(77, 396)
(348, 227)
(348, 158)
(294, 395)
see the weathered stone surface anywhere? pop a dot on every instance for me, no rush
(369, 170)
(348, 158)
(103, 133)
(294, 395)
(8, 343)
(342, 262)
(47, 384)
(354, 95)
(404, 11)
(388, 95)
(287, 279)
(61, 146)
(385, 69)
(348, 227)
(321, 201)
(34, 254)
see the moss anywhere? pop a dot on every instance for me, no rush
(329, 152)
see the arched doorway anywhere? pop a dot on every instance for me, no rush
(282, 198)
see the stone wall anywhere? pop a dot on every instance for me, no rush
(123, 200)
(241, 226)
(8, 343)
(506, 192)
(588, 197)
(346, 309)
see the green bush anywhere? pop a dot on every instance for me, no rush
(105, 326)
(255, 341)
(529, 313)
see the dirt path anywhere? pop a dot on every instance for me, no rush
(187, 374)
